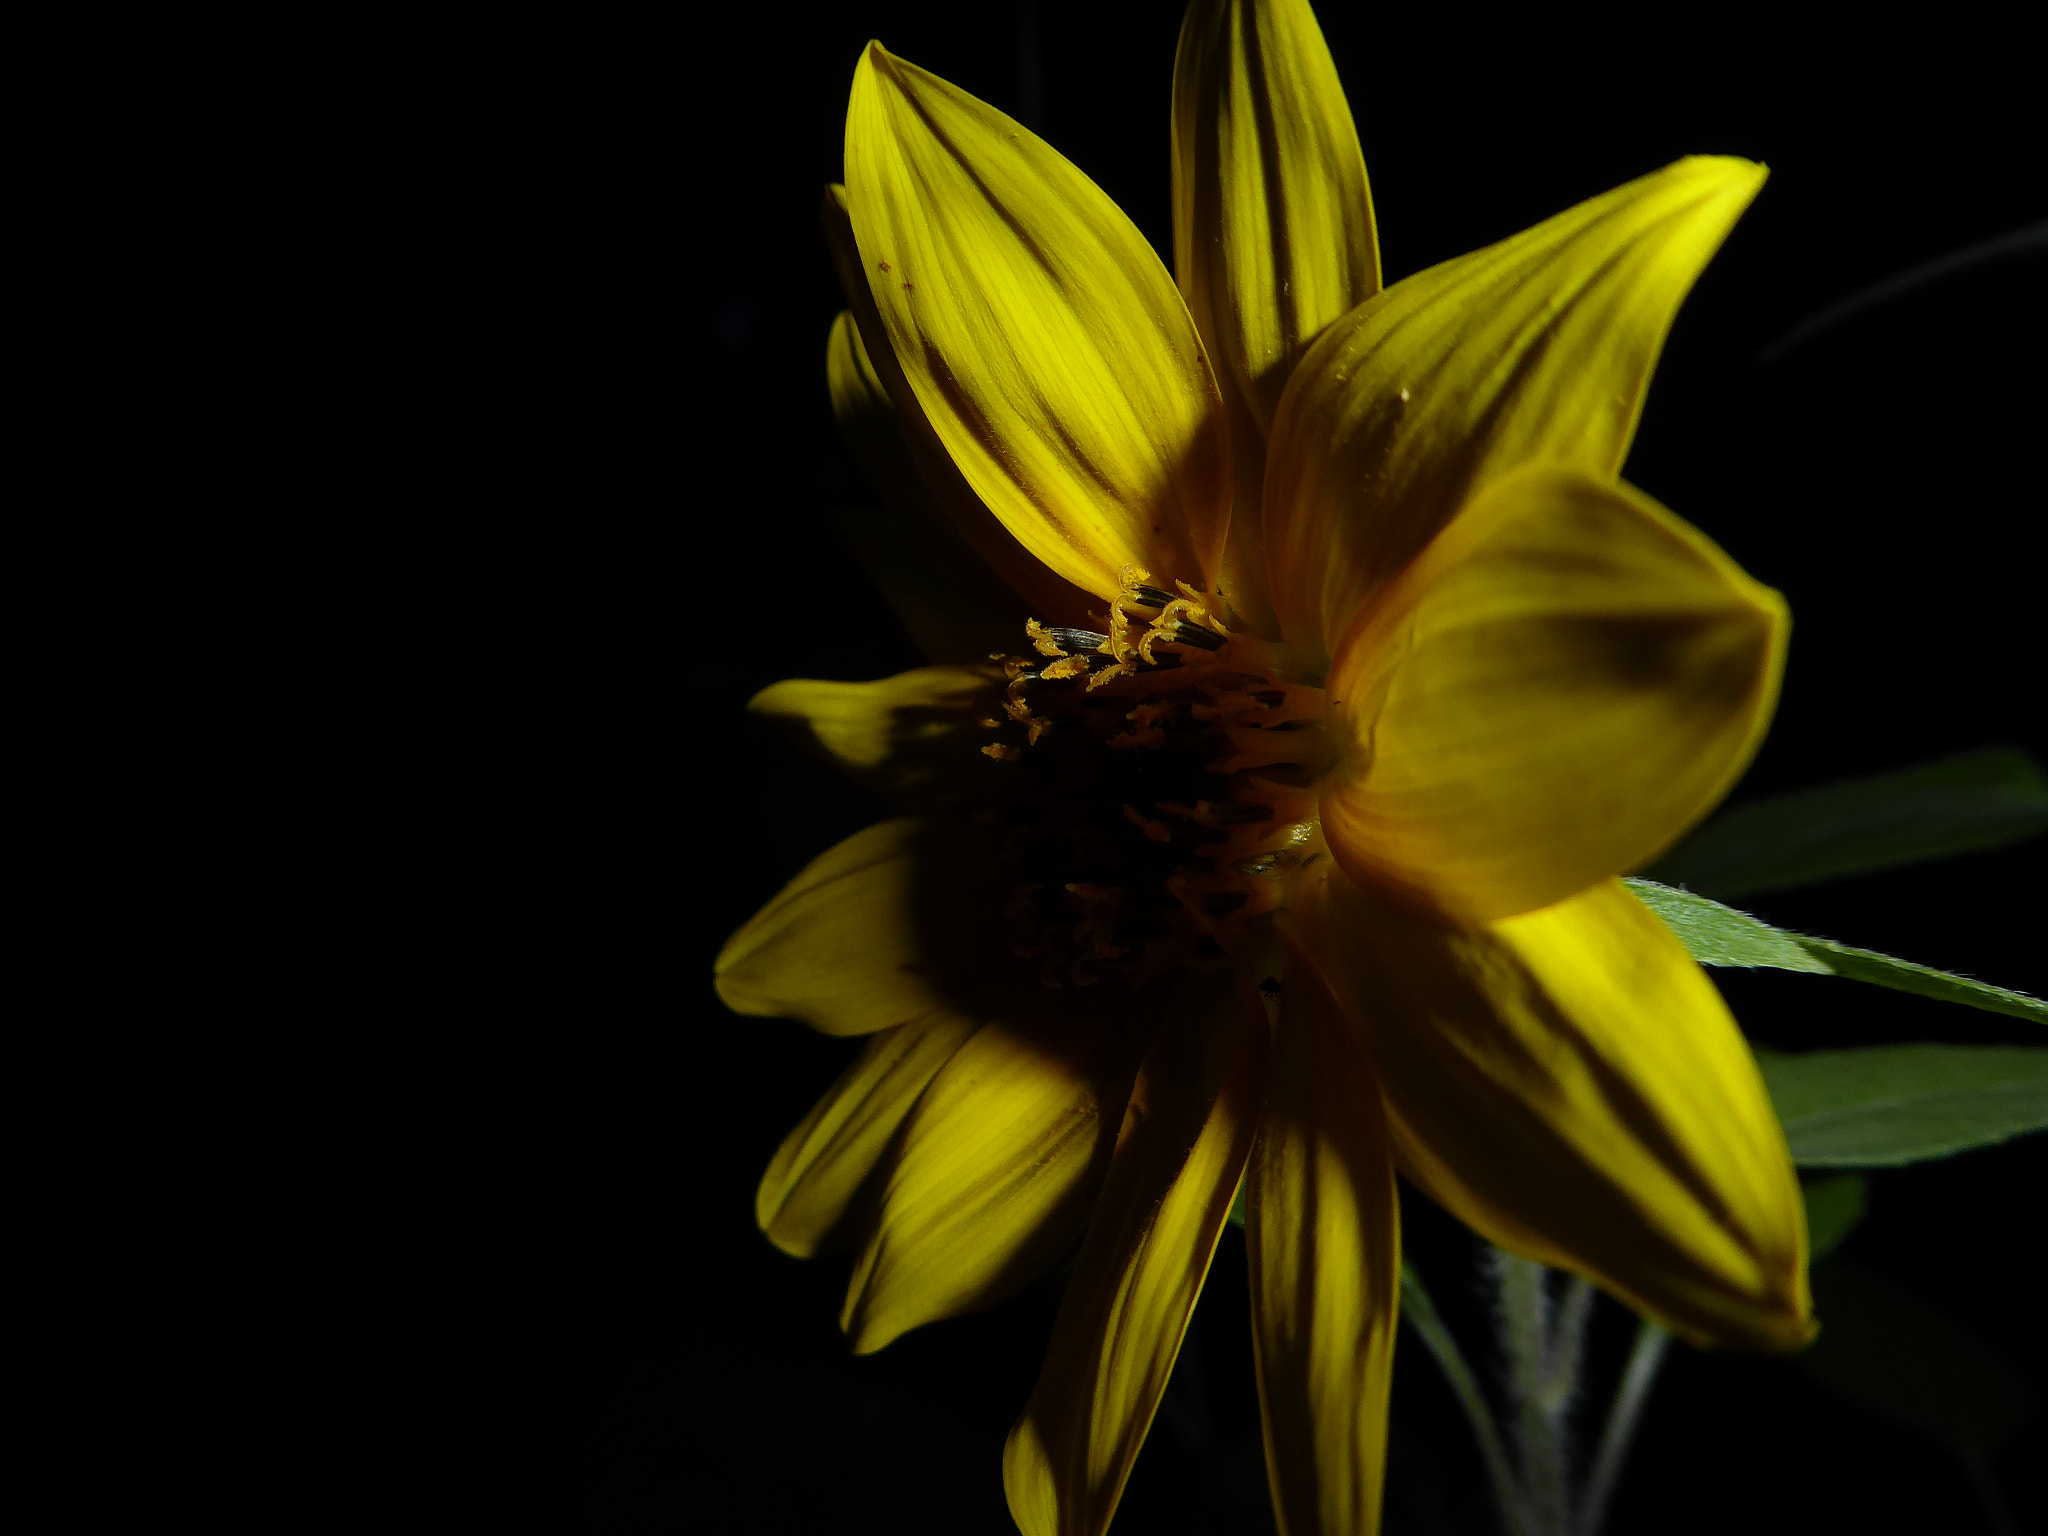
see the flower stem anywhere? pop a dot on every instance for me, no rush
(1541, 1374)
(1622, 1418)
(1420, 1314)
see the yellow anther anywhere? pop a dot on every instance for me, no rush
(1070, 666)
(1041, 637)
(1001, 752)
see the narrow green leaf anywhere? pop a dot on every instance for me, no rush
(1718, 935)
(1954, 805)
(1883, 1105)
(1901, 1359)
(1835, 1203)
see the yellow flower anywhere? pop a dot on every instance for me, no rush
(1287, 854)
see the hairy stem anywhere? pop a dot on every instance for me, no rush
(1420, 1313)
(1622, 1418)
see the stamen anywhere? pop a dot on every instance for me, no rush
(1150, 819)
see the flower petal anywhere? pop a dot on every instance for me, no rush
(1272, 219)
(914, 737)
(1565, 681)
(1324, 1241)
(1045, 342)
(822, 1164)
(947, 496)
(1538, 348)
(1179, 1155)
(947, 600)
(886, 927)
(1570, 1085)
(1272, 228)
(995, 1172)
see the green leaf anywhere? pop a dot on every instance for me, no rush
(1718, 935)
(1954, 805)
(1901, 1359)
(1880, 1106)
(1835, 1203)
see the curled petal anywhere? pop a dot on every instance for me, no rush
(1565, 681)
(1538, 348)
(1323, 1238)
(1043, 339)
(1571, 1086)
(1178, 1159)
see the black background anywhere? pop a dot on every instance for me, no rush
(579, 254)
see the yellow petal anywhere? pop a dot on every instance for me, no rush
(884, 928)
(1538, 348)
(1324, 1243)
(1179, 1155)
(1272, 228)
(1044, 340)
(1571, 1086)
(946, 496)
(995, 1171)
(915, 737)
(1272, 220)
(1566, 680)
(948, 601)
(822, 1164)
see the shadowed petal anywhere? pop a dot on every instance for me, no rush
(915, 737)
(1566, 680)
(822, 1164)
(947, 496)
(995, 1172)
(896, 922)
(1538, 348)
(947, 599)
(1571, 1086)
(1323, 1238)
(1038, 331)
(1178, 1159)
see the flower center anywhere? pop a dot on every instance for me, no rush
(1165, 790)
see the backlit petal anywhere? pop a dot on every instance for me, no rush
(822, 1164)
(948, 601)
(1570, 1085)
(888, 926)
(915, 737)
(1566, 680)
(1324, 1243)
(1044, 340)
(1538, 348)
(947, 496)
(1175, 1171)
(1272, 227)
(995, 1173)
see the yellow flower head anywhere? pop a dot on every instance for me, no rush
(1284, 850)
